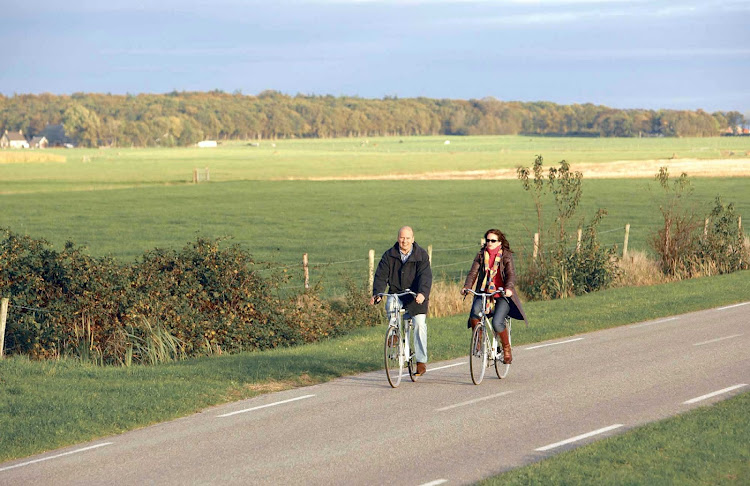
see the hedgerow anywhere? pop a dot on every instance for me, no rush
(203, 299)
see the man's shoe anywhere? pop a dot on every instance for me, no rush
(421, 369)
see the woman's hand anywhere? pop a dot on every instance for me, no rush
(508, 293)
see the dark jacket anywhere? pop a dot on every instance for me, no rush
(414, 274)
(508, 272)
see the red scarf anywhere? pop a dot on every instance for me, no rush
(493, 279)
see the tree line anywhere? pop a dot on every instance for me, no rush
(184, 118)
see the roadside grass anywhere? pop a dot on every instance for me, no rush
(47, 405)
(709, 445)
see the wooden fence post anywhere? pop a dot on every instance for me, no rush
(371, 257)
(429, 253)
(207, 176)
(625, 244)
(195, 176)
(536, 245)
(578, 243)
(3, 317)
(307, 271)
(705, 228)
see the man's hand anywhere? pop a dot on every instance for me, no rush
(419, 298)
(464, 291)
(375, 299)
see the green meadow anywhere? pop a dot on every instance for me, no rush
(123, 202)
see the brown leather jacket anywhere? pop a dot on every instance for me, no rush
(508, 271)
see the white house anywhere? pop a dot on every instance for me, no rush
(13, 140)
(207, 143)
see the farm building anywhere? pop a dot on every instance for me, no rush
(13, 140)
(39, 142)
(207, 144)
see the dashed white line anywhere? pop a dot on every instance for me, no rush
(709, 395)
(435, 483)
(265, 406)
(578, 437)
(471, 402)
(660, 321)
(56, 456)
(446, 366)
(717, 340)
(553, 344)
(732, 306)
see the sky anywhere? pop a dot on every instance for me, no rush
(652, 54)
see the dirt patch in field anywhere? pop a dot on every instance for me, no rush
(607, 170)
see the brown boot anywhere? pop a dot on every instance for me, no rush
(505, 340)
(473, 323)
(421, 369)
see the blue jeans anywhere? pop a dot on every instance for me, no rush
(420, 327)
(501, 312)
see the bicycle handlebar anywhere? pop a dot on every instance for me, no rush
(499, 290)
(405, 292)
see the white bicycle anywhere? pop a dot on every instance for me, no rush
(483, 352)
(399, 340)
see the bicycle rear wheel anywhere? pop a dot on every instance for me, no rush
(411, 359)
(394, 363)
(478, 354)
(501, 368)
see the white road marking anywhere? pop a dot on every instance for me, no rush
(435, 482)
(446, 366)
(655, 322)
(717, 340)
(471, 402)
(732, 306)
(56, 456)
(553, 344)
(265, 406)
(578, 437)
(704, 397)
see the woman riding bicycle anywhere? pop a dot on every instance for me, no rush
(494, 263)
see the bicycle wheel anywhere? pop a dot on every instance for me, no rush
(501, 368)
(478, 354)
(394, 363)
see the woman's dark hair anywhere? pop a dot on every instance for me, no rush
(501, 236)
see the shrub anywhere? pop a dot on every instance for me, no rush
(558, 270)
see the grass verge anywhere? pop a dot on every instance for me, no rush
(46, 405)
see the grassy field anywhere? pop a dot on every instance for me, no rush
(123, 202)
(45, 405)
(336, 221)
(88, 169)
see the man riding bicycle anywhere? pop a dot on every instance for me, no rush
(406, 265)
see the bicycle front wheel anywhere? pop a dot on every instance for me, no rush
(478, 355)
(394, 362)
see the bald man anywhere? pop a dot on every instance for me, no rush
(406, 265)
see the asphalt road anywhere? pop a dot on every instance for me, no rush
(441, 430)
